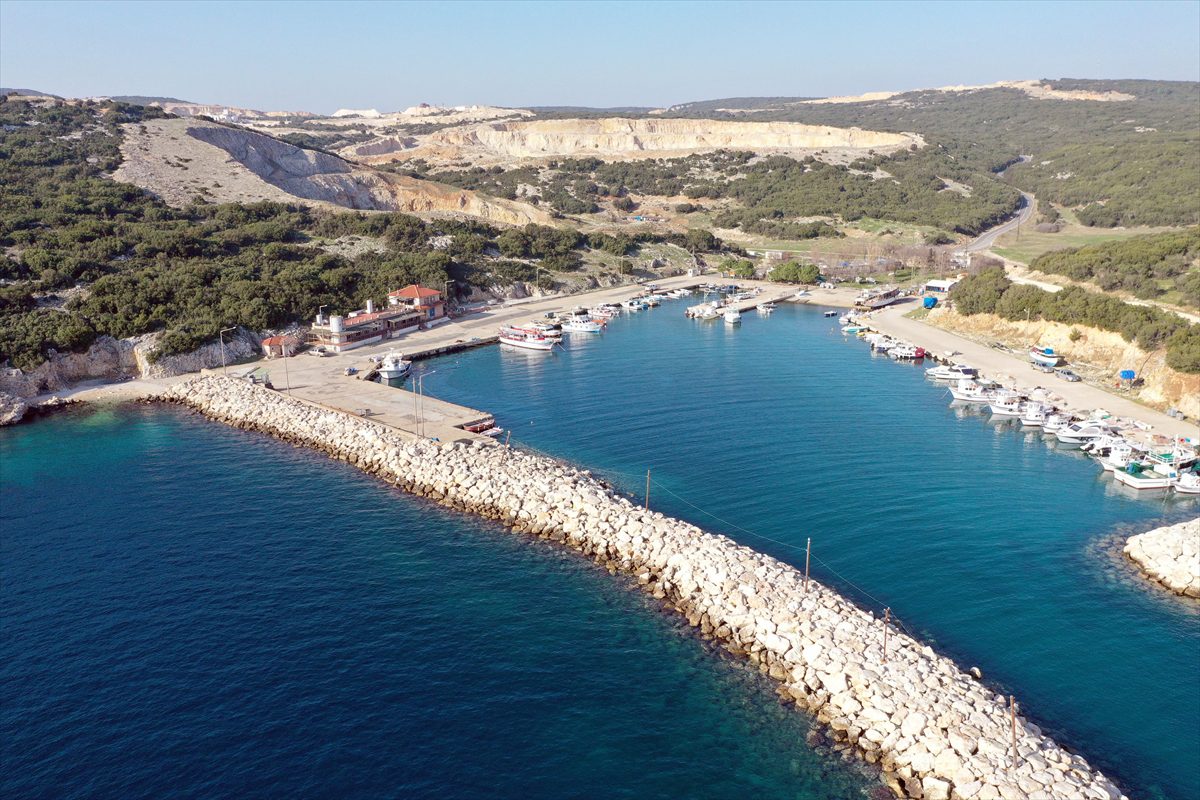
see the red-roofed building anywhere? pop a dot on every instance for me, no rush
(427, 301)
(284, 345)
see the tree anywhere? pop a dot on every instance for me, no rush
(791, 272)
(698, 240)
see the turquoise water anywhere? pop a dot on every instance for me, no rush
(236, 617)
(192, 611)
(988, 542)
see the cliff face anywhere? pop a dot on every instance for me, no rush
(112, 359)
(630, 138)
(1104, 351)
(179, 160)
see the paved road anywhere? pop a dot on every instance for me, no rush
(987, 239)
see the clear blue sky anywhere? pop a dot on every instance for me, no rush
(320, 56)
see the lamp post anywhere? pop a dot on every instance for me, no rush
(221, 334)
(421, 402)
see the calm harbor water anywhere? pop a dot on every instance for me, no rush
(193, 610)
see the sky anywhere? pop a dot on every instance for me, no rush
(321, 56)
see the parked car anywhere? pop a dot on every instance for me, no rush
(1067, 375)
(1041, 367)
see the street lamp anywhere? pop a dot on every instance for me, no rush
(420, 401)
(221, 334)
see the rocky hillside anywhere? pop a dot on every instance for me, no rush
(181, 159)
(1094, 353)
(620, 138)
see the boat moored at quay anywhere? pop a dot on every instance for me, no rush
(526, 339)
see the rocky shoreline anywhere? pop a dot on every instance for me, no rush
(936, 732)
(1169, 556)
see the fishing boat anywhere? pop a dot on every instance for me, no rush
(393, 366)
(607, 311)
(951, 372)
(526, 339)
(830, 313)
(1006, 404)
(550, 330)
(907, 352)
(854, 329)
(877, 298)
(732, 316)
(1044, 356)
(1079, 433)
(1152, 473)
(766, 308)
(1119, 456)
(1034, 415)
(1188, 483)
(581, 324)
(968, 391)
(633, 304)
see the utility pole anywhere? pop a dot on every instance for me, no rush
(807, 555)
(647, 490)
(286, 377)
(221, 335)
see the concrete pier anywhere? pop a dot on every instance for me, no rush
(936, 732)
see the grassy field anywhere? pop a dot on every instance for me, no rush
(1029, 244)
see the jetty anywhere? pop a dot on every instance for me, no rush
(935, 731)
(1169, 556)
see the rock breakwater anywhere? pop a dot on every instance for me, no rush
(935, 731)
(1170, 556)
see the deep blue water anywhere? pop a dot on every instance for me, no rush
(986, 541)
(193, 610)
(187, 610)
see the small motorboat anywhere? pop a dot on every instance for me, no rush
(1055, 422)
(732, 316)
(829, 313)
(1149, 474)
(766, 308)
(968, 391)
(907, 352)
(581, 324)
(633, 304)
(549, 330)
(854, 329)
(1079, 433)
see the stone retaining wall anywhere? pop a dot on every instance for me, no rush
(1170, 556)
(936, 732)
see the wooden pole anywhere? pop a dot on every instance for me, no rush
(1012, 710)
(807, 554)
(887, 618)
(507, 436)
(647, 490)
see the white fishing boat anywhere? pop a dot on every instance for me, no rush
(1188, 483)
(877, 298)
(1034, 415)
(1078, 433)
(1044, 356)
(393, 366)
(1153, 473)
(968, 391)
(547, 329)
(1119, 456)
(732, 316)
(581, 324)
(830, 313)
(1006, 404)
(1056, 422)
(633, 304)
(951, 372)
(526, 339)
(607, 311)
(907, 352)
(766, 308)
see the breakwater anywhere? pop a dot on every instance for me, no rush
(935, 731)
(1170, 556)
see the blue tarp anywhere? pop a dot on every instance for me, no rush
(1128, 374)
(929, 302)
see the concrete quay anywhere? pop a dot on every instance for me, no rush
(935, 731)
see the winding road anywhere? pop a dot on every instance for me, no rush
(988, 238)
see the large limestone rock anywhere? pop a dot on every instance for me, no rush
(1170, 556)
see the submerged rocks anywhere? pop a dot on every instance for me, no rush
(935, 731)
(1170, 556)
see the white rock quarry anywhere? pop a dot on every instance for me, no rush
(935, 731)
(1170, 556)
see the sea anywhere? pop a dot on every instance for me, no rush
(195, 611)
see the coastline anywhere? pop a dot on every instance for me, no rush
(934, 730)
